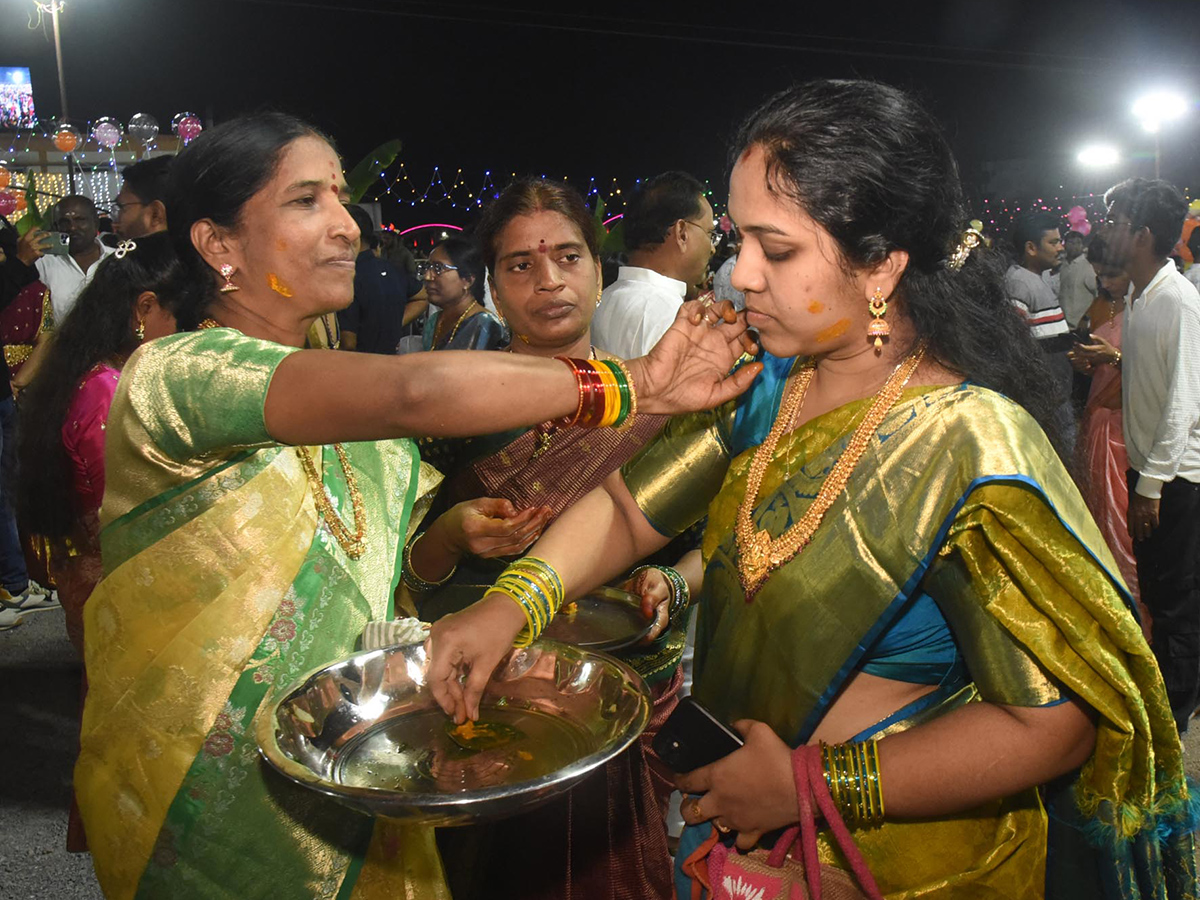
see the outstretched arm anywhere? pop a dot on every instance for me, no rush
(593, 541)
(321, 396)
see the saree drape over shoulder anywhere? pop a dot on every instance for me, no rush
(220, 582)
(959, 498)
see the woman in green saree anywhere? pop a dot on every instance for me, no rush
(896, 561)
(243, 544)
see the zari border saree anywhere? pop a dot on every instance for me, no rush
(960, 496)
(217, 589)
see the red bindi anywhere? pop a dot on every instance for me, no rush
(542, 248)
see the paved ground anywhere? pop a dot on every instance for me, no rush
(39, 708)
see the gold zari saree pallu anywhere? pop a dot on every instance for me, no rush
(959, 496)
(220, 584)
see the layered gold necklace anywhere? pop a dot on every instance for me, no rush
(758, 553)
(454, 330)
(354, 544)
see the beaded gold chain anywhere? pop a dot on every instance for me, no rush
(758, 553)
(354, 544)
(454, 330)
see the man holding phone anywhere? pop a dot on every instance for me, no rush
(67, 272)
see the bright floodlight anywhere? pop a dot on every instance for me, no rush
(1099, 156)
(1155, 108)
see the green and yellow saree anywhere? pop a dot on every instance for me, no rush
(220, 582)
(959, 497)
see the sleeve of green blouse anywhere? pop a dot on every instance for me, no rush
(675, 476)
(204, 392)
(1029, 599)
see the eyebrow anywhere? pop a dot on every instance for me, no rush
(304, 185)
(763, 229)
(570, 245)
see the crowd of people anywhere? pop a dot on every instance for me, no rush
(911, 508)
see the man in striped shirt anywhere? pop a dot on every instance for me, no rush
(1037, 245)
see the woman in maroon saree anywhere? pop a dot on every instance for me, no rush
(607, 837)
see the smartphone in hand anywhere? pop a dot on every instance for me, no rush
(59, 244)
(692, 737)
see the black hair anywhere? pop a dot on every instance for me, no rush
(526, 196)
(148, 179)
(1153, 204)
(872, 167)
(99, 328)
(214, 177)
(366, 226)
(1031, 226)
(661, 202)
(1193, 245)
(1075, 234)
(1097, 251)
(465, 255)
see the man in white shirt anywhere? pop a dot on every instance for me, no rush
(67, 276)
(1076, 280)
(669, 239)
(1160, 401)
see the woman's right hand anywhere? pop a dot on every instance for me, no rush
(489, 527)
(688, 369)
(465, 648)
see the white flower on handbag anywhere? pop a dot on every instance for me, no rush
(737, 889)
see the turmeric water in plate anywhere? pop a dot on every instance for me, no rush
(425, 752)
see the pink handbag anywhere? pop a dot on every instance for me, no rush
(758, 875)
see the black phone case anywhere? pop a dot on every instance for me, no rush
(693, 737)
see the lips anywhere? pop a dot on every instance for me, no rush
(554, 310)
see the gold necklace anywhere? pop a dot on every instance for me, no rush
(354, 544)
(758, 554)
(454, 330)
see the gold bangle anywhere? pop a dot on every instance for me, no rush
(414, 581)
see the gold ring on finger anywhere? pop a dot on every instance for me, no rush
(696, 809)
(721, 826)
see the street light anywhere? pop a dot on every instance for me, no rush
(1154, 110)
(1099, 156)
(54, 7)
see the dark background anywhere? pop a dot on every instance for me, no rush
(625, 90)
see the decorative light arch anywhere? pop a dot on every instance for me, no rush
(432, 225)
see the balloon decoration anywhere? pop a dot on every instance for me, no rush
(1078, 219)
(5, 178)
(143, 127)
(22, 203)
(107, 133)
(67, 138)
(186, 126)
(8, 203)
(725, 224)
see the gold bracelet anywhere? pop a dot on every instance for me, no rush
(414, 581)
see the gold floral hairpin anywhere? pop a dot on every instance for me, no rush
(971, 238)
(123, 248)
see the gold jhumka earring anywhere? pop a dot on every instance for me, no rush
(878, 329)
(227, 273)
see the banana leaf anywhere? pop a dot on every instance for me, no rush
(33, 216)
(362, 176)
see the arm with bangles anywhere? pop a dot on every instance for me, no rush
(972, 755)
(323, 396)
(592, 542)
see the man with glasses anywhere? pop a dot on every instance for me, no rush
(669, 238)
(1160, 401)
(140, 208)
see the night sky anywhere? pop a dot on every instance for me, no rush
(622, 89)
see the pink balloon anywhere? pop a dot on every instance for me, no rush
(1084, 227)
(1076, 213)
(8, 203)
(190, 128)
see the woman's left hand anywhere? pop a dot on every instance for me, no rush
(652, 587)
(688, 369)
(750, 791)
(1098, 353)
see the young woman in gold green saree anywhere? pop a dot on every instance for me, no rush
(243, 544)
(897, 564)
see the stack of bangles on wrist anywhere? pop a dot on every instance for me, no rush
(414, 581)
(852, 775)
(680, 593)
(534, 586)
(606, 394)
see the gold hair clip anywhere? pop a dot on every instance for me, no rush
(971, 238)
(123, 248)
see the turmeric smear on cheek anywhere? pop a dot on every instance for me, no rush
(834, 331)
(816, 307)
(279, 287)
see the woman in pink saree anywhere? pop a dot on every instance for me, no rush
(1103, 459)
